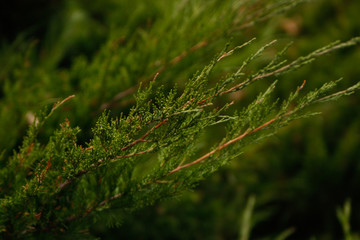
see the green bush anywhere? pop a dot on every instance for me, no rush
(147, 125)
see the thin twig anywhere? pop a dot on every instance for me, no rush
(256, 78)
(69, 181)
(299, 61)
(82, 172)
(246, 133)
(142, 139)
(58, 104)
(133, 155)
(91, 209)
(116, 196)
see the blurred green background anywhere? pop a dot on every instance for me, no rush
(96, 49)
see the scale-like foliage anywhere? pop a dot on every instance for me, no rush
(134, 160)
(60, 184)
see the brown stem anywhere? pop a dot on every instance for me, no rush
(69, 181)
(142, 139)
(82, 172)
(116, 196)
(56, 105)
(246, 133)
(90, 209)
(257, 78)
(134, 154)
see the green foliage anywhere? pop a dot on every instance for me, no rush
(103, 165)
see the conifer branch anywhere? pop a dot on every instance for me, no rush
(52, 181)
(134, 154)
(70, 181)
(241, 85)
(246, 133)
(142, 139)
(82, 172)
(295, 64)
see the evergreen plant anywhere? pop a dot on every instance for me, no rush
(93, 152)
